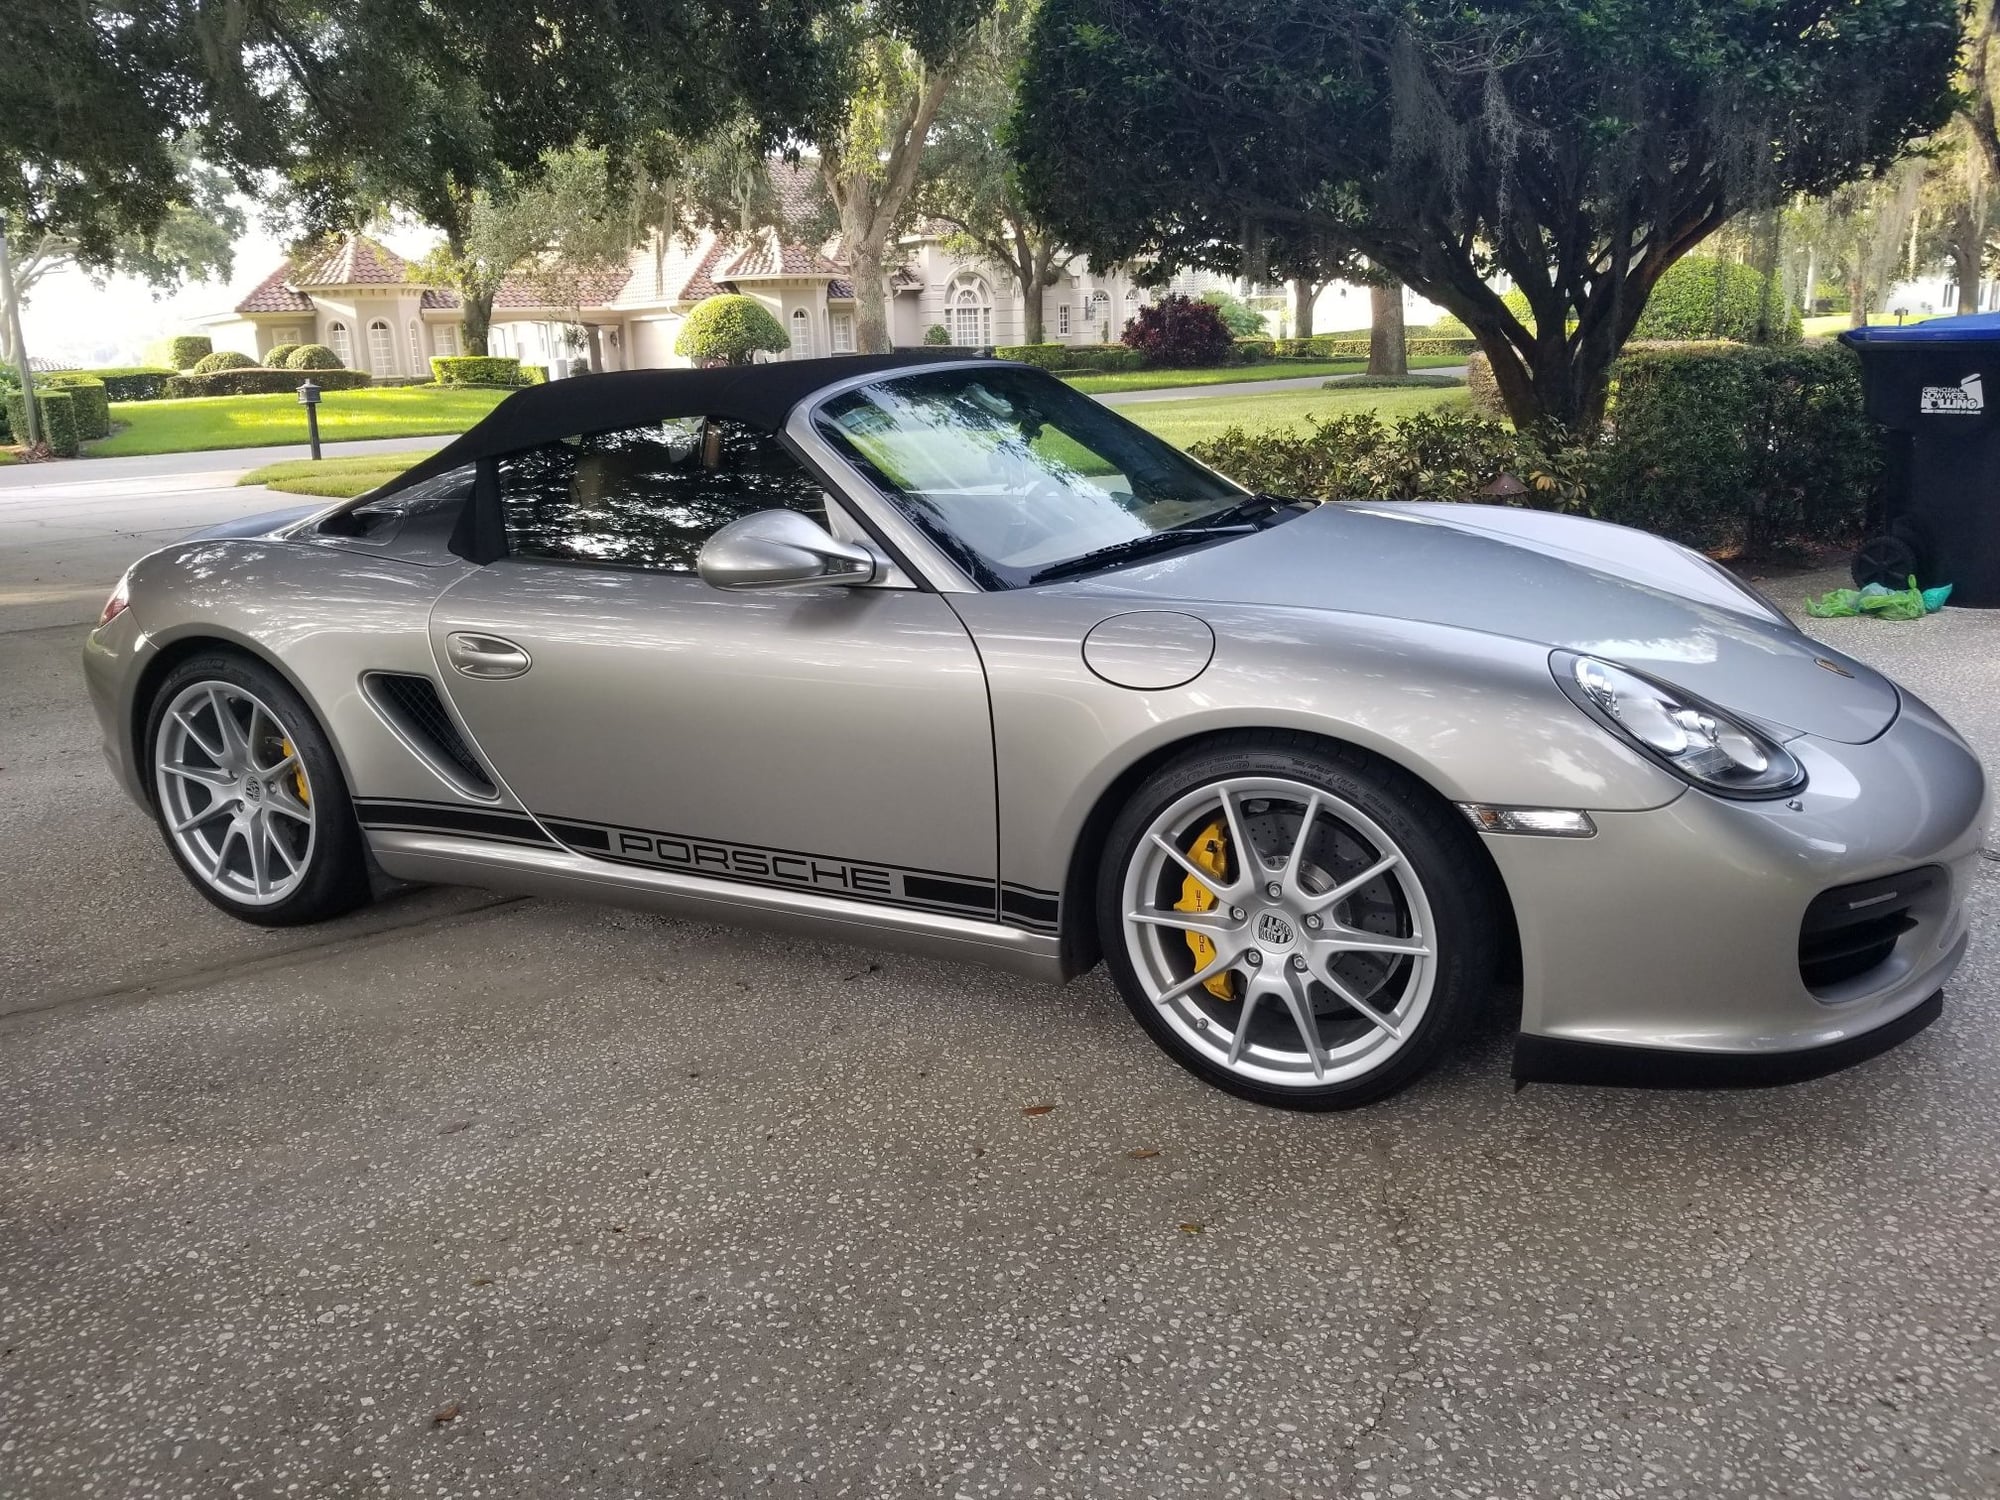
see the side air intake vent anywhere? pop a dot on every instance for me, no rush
(411, 706)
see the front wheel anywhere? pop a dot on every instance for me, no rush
(249, 796)
(1300, 925)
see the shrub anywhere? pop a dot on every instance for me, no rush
(313, 357)
(534, 375)
(937, 333)
(728, 330)
(184, 351)
(1252, 351)
(1702, 297)
(275, 360)
(89, 401)
(1041, 356)
(1179, 333)
(223, 359)
(1238, 316)
(1483, 388)
(58, 419)
(132, 382)
(1075, 358)
(1728, 446)
(1441, 454)
(257, 381)
(476, 369)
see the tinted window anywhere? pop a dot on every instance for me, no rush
(646, 497)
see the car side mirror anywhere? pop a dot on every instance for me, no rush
(781, 549)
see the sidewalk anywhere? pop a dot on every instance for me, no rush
(209, 466)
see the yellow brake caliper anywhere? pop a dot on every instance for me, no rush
(298, 774)
(1211, 853)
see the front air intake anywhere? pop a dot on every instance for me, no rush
(1853, 929)
(410, 705)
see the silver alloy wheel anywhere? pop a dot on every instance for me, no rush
(236, 797)
(1318, 920)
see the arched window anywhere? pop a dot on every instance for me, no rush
(802, 334)
(416, 349)
(971, 307)
(341, 345)
(1100, 308)
(381, 349)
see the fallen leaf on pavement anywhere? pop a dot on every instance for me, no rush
(1190, 1229)
(445, 1415)
(1037, 1109)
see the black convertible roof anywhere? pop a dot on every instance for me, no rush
(760, 395)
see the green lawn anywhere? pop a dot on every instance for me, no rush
(7, 456)
(338, 478)
(1185, 422)
(254, 421)
(1827, 325)
(1283, 369)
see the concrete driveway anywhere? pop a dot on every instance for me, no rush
(475, 1196)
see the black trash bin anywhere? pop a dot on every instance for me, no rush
(1935, 389)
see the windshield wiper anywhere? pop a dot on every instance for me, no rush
(1255, 508)
(1135, 547)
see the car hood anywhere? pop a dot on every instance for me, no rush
(1559, 581)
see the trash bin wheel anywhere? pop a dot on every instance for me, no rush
(1888, 560)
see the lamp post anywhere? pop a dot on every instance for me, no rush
(309, 399)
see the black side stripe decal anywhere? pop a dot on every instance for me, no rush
(780, 869)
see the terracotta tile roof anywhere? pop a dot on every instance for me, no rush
(701, 281)
(593, 290)
(798, 190)
(840, 290)
(906, 278)
(355, 260)
(436, 299)
(765, 257)
(274, 294)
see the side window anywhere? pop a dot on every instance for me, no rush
(646, 497)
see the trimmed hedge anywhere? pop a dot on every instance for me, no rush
(1253, 350)
(1348, 346)
(57, 410)
(312, 357)
(1072, 358)
(258, 381)
(184, 351)
(1729, 445)
(1702, 297)
(89, 400)
(1723, 447)
(476, 369)
(279, 353)
(132, 382)
(223, 359)
(534, 374)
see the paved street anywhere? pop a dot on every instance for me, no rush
(476, 1196)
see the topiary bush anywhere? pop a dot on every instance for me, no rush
(313, 357)
(258, 381)
(1179, 333)
(937, 333)
(223, 359)
(477, 369)
(729, 329)
(89, 401)
(58, 419)
(1725, 446)
(1702, 297)
(184, 351)
(132, 382)
(279, 353)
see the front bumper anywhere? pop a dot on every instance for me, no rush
(114, 662)
(1666, 948)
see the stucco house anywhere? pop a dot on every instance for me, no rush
(360, 299)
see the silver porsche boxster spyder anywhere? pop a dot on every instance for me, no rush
(940, 654)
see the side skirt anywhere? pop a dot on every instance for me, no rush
(491, 858)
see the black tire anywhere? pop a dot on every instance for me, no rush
(335, 875)
(1888, 560)
(1440, 849)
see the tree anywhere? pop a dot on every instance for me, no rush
(1241, 319)
(1956, 211)
(971, 186)
(727, 330)
(1579, 147)
(901, 58)
(1855, 235)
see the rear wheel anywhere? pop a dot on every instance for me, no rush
(249, 796)
(1300, 926)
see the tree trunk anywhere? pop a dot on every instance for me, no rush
(1031, 308)
(871, 296)
(1857, 302)
(1388, 356)
(478, 310)
(1304, 295)
(10, 313)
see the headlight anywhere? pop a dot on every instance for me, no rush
(1691, 738)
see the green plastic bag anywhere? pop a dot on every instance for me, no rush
(1911, 603)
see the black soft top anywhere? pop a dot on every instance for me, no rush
(760, 395)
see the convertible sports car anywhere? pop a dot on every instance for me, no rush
(940, 654)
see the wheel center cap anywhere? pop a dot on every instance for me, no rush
(1275, 930)
(253, 791)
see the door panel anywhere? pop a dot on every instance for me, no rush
(832, 739)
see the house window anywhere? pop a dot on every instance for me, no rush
(1099, 310)
(381, 349)
(843, 333)
(416, 348)
(971, 309)
(444, 338)
(341, 345)
(1089, 311)
(285, 336)
(802, 335)
(1062, 320)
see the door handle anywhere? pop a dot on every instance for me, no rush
(478, 655)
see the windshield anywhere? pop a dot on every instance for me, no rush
(1013, 473)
